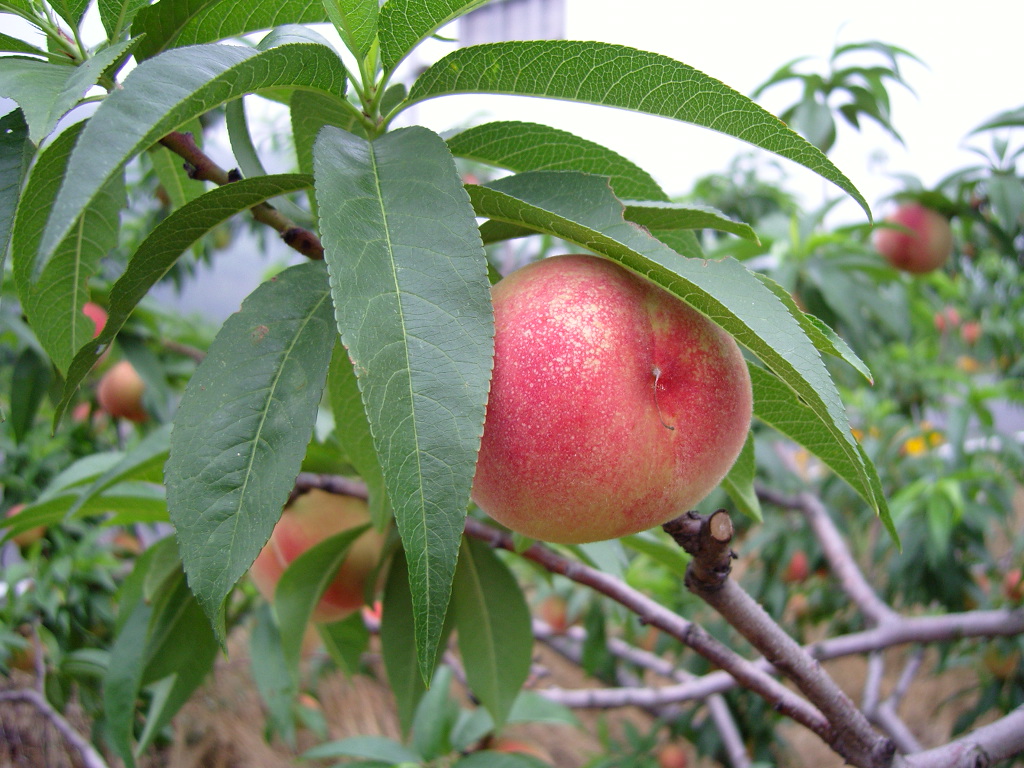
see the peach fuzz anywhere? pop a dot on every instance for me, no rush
(311, 518)
(614, 406)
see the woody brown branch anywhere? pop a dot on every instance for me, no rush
(201, 167)
(707, 539)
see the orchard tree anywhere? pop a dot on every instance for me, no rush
(390, 328)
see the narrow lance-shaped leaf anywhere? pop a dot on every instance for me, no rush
(667, 216)
(165, 92)
(617, 76)
(242, 428)
(519, 147)
(179, 23)
(10, 44)
(354, 432)
(158, 253)
(117, 15)
(54, 304)
(404, 23)
(581, 209)
(46, 92)
(302, 585)
(779, 407)
(410, 288)
(495, 637)
(15, 155)
(739, 483)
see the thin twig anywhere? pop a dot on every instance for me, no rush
(201, 167)
(840, 559)
(91, 758)
(981, 748)
(718, 708)
(653, 613)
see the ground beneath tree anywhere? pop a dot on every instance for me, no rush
(223, 725)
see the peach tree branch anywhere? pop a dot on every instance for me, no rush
(651, 612)
(840, 559)
(569, 644)
(707, 539)
(201, 167)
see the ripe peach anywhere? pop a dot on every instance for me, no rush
(947, 319)
(554, 611)
(927, 245)
(798, 569)
(672, 756)
(970, 332)
(307, 521)
(614, 406)
(27, 537)
(1013, 585)
(120, 393)
(97, 314)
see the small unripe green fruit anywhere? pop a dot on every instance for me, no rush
(925, 247)
(120, 393)
(614, 406)
(311, 518)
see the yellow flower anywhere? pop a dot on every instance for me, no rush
(915, 446)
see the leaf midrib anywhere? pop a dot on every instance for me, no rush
(266, 409)
(405, 347)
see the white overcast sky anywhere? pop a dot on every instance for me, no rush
(974, 54)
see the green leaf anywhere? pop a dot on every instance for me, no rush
(17, 45)
(46, 92)
(274, 680)
(122, 682)
(519, 147)
(177, 23)
(53, 303)
(404, 23)
(777, 406)
(16, 152)
(145, 461)
(377, 748)
(163, 93)
(1011, 118)
(668, 553)
(739, 483)
(398, 646)
(412, 302)
(435, 718)
(825, 339)
(346, 641)
(180, 653)
(310, 112)
(356, 22)
(489, 758)
(302, 585)
(71, 10)
(617, 76)
(582, 210)
(161, 249)
(495, 637)
(242, 427)
(354, 433)
(658, 216)
(31, 376)
(117, 15)
(173, 177)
